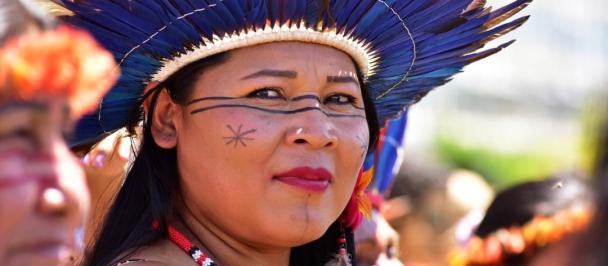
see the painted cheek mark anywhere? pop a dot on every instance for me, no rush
(8, 181)
(29, 168)
(238, 137)
(362, 145)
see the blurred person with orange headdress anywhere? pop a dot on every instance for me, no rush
(50, 75)
(529, 224)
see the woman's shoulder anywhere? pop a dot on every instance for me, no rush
(141, 262)
(160, 253)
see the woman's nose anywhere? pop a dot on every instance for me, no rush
(57, 195)
(53, 201)
(313, 129)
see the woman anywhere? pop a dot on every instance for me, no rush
(49, 77)
(258, 115)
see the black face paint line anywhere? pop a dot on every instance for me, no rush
(308, 96)
(295, 99)
(289, 112)
(238, 137)
(213, 98)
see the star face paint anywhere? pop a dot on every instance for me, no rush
(306, 107)
(238, 136)
(363, 144)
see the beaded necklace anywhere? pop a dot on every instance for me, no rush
(184, 244)
(200, 258)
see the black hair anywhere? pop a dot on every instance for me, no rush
(151, 186)
(518, 205)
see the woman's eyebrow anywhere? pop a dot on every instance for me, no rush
(18, 105)
(342, 79)
(272, 73)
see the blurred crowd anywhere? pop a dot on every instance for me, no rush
(431, 213)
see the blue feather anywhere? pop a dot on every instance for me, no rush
(388, 156)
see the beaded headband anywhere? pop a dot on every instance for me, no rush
(62, 62)
(516, 240)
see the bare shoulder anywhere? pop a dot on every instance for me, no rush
(161, 253)
(141, 262)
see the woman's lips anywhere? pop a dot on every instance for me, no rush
(307, 178)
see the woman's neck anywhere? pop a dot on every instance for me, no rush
(222, 247)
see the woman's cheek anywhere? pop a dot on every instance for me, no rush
(16, 206)
(355, 142)
(353, 151)
(249, 133)
(233, 140)
(73, 183)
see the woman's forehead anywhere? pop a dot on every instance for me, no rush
(289, 61)
(40, 103)
(20, 112)
(296, 55)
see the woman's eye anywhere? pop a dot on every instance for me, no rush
(266, 93)
(67, 135)
(341, 99)
(25, 134)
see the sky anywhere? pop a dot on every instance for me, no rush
(532, 94)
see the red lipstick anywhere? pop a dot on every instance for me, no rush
(307, 178)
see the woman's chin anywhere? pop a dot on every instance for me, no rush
(295, 238)
(300, 228)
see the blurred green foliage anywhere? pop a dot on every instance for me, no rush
(592, 117)
(500, 169)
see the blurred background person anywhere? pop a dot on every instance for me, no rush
(513, 120)
(49, 76)
(527, 221)
(434, 197)
(376, 242)
(105, 163)
(591, 250)
(453, 194)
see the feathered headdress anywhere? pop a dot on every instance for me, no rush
(404, 48)
(38, 59)
(378, 172)
(388, 155)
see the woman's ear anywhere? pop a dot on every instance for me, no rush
(163, 121)
(148, 91)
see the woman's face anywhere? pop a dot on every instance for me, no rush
(271, 143)
(43, 197)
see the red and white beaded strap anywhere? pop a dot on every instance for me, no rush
(183, 243)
